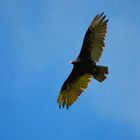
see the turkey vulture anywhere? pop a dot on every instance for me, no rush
(85, 67)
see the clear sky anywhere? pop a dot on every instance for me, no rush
(37, 40)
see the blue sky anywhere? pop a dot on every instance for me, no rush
(37, 40)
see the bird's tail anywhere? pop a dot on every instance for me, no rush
(100, 73)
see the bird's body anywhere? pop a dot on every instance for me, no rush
(85, 66)
(80, 68)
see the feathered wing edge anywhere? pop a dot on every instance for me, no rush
(93, 42)
(73, 90)
(97, 29)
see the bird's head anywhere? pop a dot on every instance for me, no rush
(72, 62)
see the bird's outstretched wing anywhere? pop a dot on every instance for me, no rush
(73, 87)
(93, 43)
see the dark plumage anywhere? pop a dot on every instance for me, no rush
(85, 67)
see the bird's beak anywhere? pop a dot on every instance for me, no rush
(70, 62)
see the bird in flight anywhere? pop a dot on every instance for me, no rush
(85, 65)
